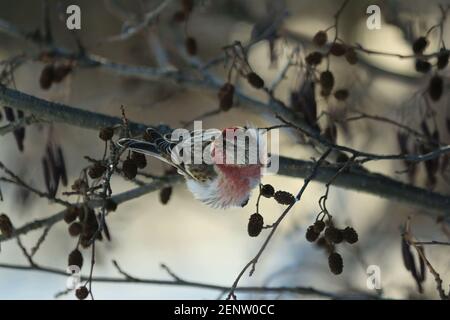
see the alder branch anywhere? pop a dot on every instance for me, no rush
(366, 156)
(119, 198)
(273, 228)
(149, 17)
(127, 279)
(206, 81)
(356, 179)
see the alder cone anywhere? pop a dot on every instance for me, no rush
(283, 197)
(75, 229)
(320, 38)
(435, 88)
(327, 80)
(419, 45)
(75, 258)
(267, 191)
(165, 195)
(255, 225)
(443, 57)
(71, 214)
(335, 263)
(350, 235)
(47, 77)
(6, 226)
(255, 80)
(82, 293)
(338, 49)
(311, 234)
(319, 226)
(225, 95)
(422, 66)
(351, 56)
(314, 58)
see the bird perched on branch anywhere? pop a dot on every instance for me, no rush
(221, 168)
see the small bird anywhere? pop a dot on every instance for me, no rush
(221, 179)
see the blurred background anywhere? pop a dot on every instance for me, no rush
(199, 243)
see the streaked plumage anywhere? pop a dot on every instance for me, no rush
(217, 185)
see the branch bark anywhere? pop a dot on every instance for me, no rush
(194, 284)
(355, 179)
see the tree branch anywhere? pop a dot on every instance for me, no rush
(356, 179)
(185, 283)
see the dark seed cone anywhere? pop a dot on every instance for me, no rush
(75, 258)
(255, 80)
(129, 168)
(71, 214)
(75, 229)
(341, 94)
(165, 194)
(351, 56)
(96, 171)
(255, 225)
(47, 77)
(422, 66)
(225, 95)
(320, 38)
(6, 226)
(82, 293)
(191, 46)
(311, 234)
(283, 197)
(319, 225)
(350, 235)
(335, 263)
(267, 191)
(419, 45)
(435, 88)
(327, 80)
(140, 159)
(333, 235)
(443, 57)
(314, 58)
(338, 49)
(106, 133)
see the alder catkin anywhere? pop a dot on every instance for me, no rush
(335, 263)
(255, 225)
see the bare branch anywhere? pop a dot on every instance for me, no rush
(199, 285)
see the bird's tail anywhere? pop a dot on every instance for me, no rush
(154, 145)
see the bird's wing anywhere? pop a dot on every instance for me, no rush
(160, 147)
